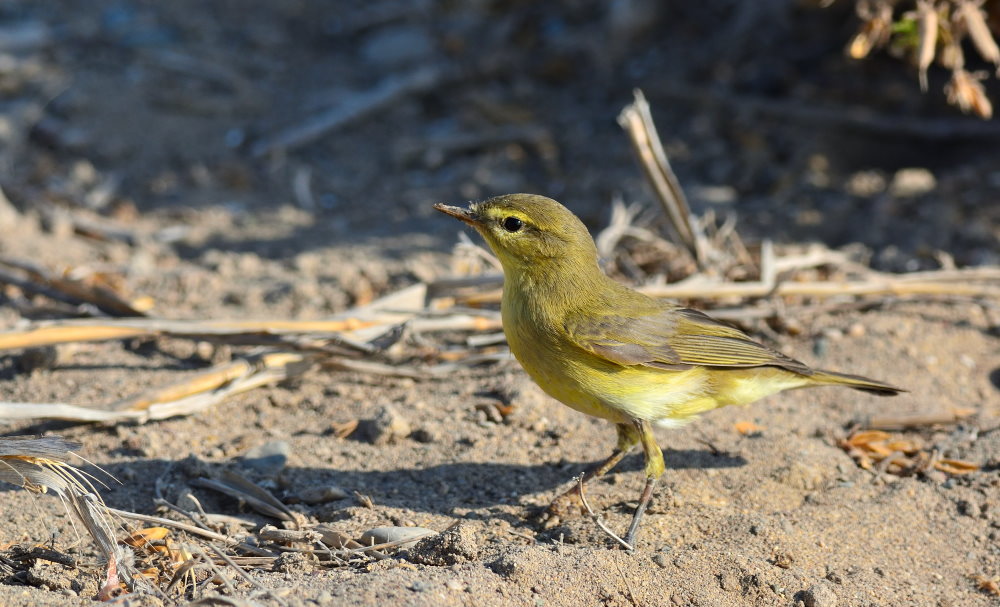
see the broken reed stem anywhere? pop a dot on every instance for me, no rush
(904, 422)
(75, 290)
(878, 286)
(67, 331)
(92, 330)
(637, 121)
(183, 398)
(205, 533)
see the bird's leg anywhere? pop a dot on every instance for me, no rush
(654, 470)
(563, 506)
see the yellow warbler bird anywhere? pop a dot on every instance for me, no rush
(612, 352)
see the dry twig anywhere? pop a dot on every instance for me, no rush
(637, 121)
(38, 464)
(597, 518)
(353, 107)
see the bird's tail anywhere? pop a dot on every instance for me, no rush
(832, 378)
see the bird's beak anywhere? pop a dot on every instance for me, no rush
(466, 215)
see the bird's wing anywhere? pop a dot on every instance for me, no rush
(674, 338)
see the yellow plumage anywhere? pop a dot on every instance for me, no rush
(612, 352)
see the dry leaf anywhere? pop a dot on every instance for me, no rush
(903, 445)
(746, 428)
(966, 91)
(865, 437)
(145, 536)
(955, 466)
(875, 29)
(344, 429)
(988, 586)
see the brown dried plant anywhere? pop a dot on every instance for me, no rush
(929, 30)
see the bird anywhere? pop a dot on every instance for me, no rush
(609, 351)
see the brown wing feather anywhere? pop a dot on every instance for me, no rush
(675, 338)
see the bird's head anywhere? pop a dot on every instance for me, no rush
(528, 232)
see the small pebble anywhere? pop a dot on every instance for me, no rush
(322, 495)
(387, 426)
(383, 535)
(912, 182)
(819, 595)
(269, 458)
(856, 330)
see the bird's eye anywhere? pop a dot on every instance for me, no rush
(512, 224)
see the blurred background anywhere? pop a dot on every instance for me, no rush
(262, 138)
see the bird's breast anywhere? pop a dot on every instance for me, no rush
(586, 382)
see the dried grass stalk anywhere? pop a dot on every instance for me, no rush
(94, 292)
(974, 19)
(637, 121)
(39, 465)
(876, 28)
(183, 398)
(966, 91)
(927, 18)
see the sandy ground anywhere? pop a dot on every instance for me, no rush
(779, 516)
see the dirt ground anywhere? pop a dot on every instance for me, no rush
(152, 117)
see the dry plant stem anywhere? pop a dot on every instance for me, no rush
(597, 519)
(105, 299)
(38, 465)
(31, 287)
(245, 491)
(353, 107)
(903, 422)
(207, 380)
(66, 331)
(927, 17)
(98, 229)
(165, 504)
(271, 368)
(631, 595)
(180, 573)
(694, 289)
(637, 121)
(787, 263)
(879, 285)
(194, 549)
(212, 535)
(975, 22)
(245, 575)
(257, 331)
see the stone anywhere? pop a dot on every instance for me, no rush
(386, 427)
(269, 458)
(818, 595)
